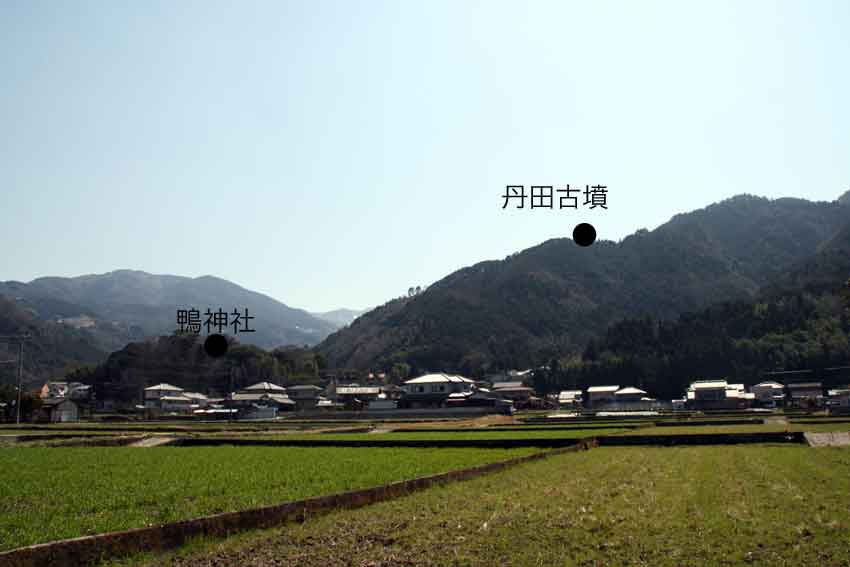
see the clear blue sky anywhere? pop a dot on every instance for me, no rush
(332, 154)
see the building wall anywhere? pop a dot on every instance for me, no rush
(600, 398)
(65, 412)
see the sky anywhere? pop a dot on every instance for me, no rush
(334, 154)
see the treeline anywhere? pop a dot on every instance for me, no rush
(740, 340)
(180, 360)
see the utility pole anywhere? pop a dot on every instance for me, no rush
(20, 339)
(20, 378)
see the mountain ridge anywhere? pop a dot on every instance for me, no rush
(131, 304)
(552, 297)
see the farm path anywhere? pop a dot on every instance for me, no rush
(831, 439)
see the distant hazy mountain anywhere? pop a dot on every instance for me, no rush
(550, 299)
(340, 317)
(126, 305)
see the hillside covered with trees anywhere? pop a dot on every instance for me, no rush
(180, 360)
(804, 328)
(53, 350)
(548, 301)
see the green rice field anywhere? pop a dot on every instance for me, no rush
(55, 493)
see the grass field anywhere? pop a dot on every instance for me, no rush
(770, 505)
(55, 493)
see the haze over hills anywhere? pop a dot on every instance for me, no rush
(126, 305)
(340, 317)
(550, 299)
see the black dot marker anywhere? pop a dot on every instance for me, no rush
(215, 345)
(584, 234)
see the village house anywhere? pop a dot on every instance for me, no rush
(306, 397)
(598, 396)
(805, 395)
(79, 393)
(718, 395)
(737, 397)
(569, 399)
(58, 410)
(769, 394)
(707, 394)
(629, 395)
(482, 398)
(354, 396)
(76, 390)
(163, 398)
(516, 391)
(433, 390)
(839, 401)
(198, 401)
(508, 376)
(262, 400)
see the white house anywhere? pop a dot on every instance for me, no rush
(262, 399)
(708, 393)
(629, 394)
(166, 397)
(601, 395)
(434, 389)
(569, 399)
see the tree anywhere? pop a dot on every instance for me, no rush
(400, 372)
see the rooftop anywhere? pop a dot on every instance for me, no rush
(195, 395)
(769, 384)
(265, 386)
(629, 391)
(358, 390)
(258, 397)
(569, 395)
(164, 386)
(439, 378)
(709, 385)
(175, 399)
(502, 385)
(595, 389)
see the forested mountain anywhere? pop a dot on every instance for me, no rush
(53, 350)
(180, 360)
(551, 299)
(126, 305)
(806, 328)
